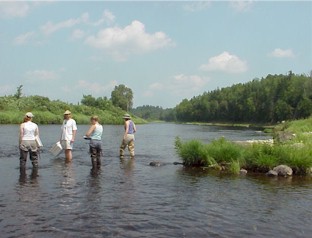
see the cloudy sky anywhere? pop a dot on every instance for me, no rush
(165, 51)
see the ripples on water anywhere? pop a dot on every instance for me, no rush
(131, 199)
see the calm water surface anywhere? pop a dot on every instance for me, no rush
(131, 199)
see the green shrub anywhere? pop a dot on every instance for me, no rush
(298, 158)
(225, 151)
(193, 153)
(234, 167)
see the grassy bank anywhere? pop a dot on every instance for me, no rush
(229, 156)
(51, 112)
(46, 117)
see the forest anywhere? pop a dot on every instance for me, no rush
(268, 100)
(272, 99)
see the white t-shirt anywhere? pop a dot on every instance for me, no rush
(67, 129)
(29, 130)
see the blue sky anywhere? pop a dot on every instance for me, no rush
(165, 51)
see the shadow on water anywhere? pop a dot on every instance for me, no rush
(32, 178)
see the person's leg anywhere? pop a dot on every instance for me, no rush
(131, 149)
(34, 158)
(93, 155)
(23, 159)
(122, 149)
(68, 151)
(68, 155)
(98, 157)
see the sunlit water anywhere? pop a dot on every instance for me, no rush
(132, 199)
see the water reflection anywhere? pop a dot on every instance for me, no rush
(32, 177)
(127, 165)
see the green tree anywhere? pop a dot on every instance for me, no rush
(18, 93)
(122, 97)
(88, 100)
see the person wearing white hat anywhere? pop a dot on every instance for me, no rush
(69, 129)
(128, 137)
(27, 142)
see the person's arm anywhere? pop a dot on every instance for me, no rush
(91, 129)
(74, 135)
(134, 127)
(126, 129)
(37, 132)
(74, 130)
(62, 131)
(21, 131)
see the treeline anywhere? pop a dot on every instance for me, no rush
(267, 100)
(48, 111)
(154, 113)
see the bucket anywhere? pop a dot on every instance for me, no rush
(38, 141)
(56, 149)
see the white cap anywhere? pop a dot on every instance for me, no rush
(29, 114)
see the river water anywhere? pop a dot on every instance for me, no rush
(132, 199)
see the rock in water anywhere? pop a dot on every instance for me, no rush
(243, 172)
(155, 163)
(283, 170)
(271, 173)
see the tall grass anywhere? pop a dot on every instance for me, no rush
(224, 151)
(221, 152)
(193, 153)
(257, 157)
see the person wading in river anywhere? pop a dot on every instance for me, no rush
(128, 137)
(27, 142)
(95, 147)
(69, 129)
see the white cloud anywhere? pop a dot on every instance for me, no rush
(156, 86)
(50, 27)
(196, 6)
(77, 34)
(96, 88)
(187, 83)
(11, 9)
(241, 6)
(41, 75)
(121, 42)
(181, 85)
(14, 9)
(107, 17)
(225, 62)
(24, 38)
(280, 53)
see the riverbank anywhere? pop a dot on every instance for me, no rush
(294, 151)
(48, 111)
(82, 118)
(267, 128)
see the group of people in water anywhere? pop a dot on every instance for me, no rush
(29, 140)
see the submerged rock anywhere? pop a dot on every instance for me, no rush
(284, 136)
(283, 170)
(243, 172)
(155, 163)
(271, 173)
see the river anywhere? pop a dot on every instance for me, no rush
(129, 198)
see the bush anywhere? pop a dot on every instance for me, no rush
(234, 167)
(193, 153)
(223, 151)
(299, 158)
